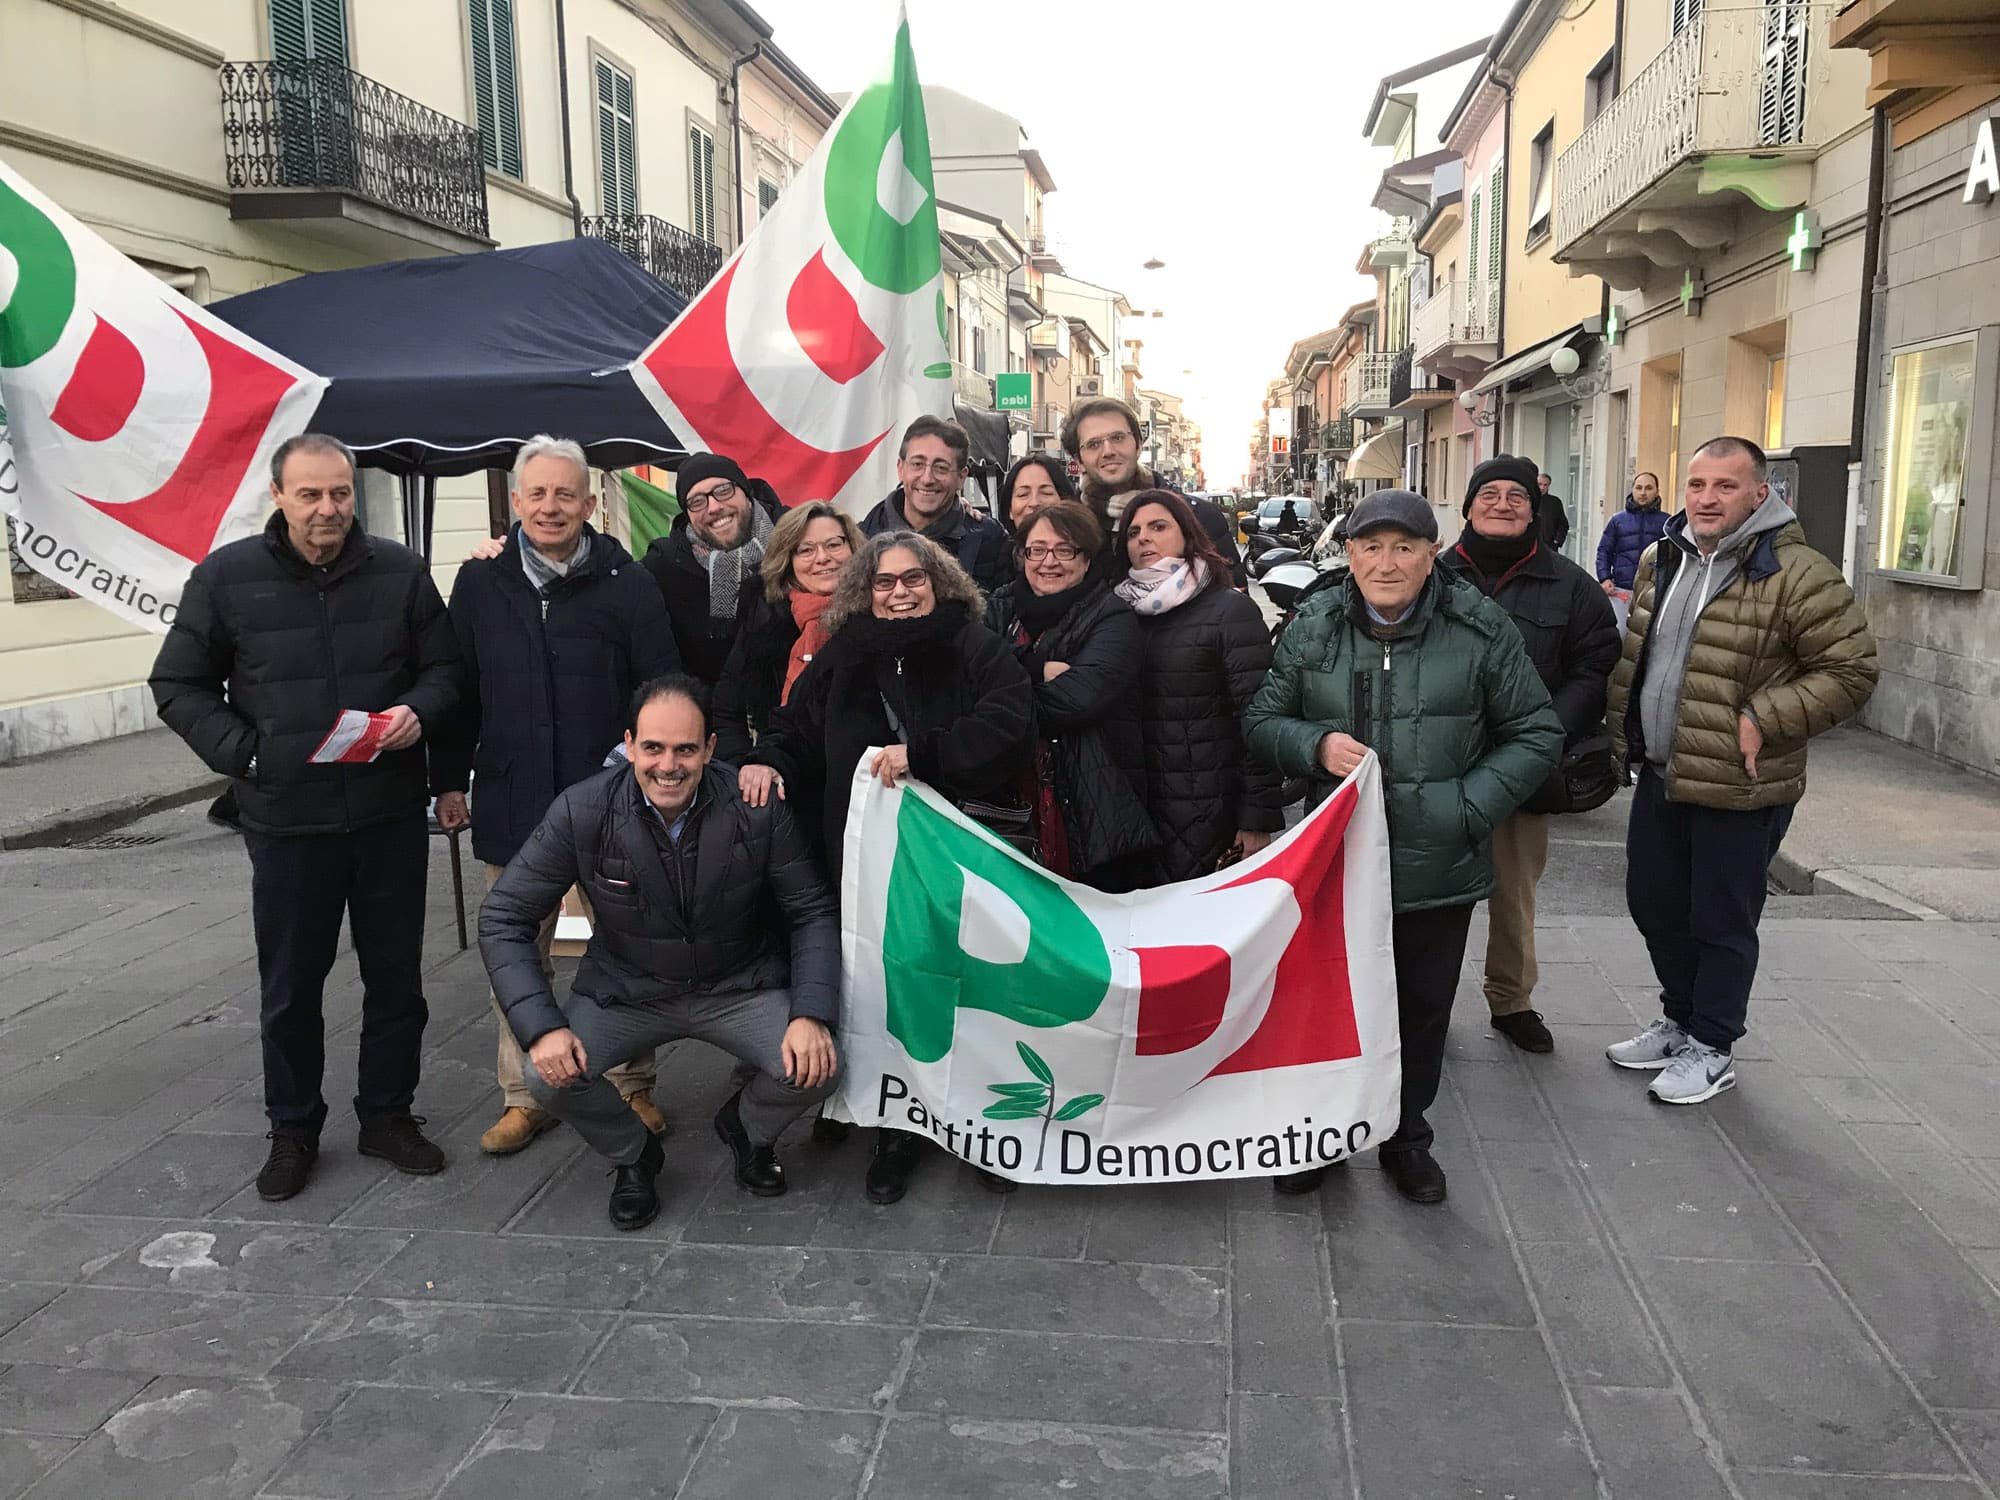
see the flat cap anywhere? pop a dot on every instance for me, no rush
(1403, 509)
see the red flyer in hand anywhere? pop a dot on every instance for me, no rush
(355, 739)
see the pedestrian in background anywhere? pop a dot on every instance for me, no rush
(911, 674)
(784, 627)
(557, 632)
(1550, 517)
(1627, 535)
(277, 637)
(1404, 659)
(1206, 651)
(1034, 482)
(1103, 434)
(1565, 622)
(1742, 644)
(706, 565)
(684, 880)
(929, 500)
(1078, 642)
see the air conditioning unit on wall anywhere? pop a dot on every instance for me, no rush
(1090, 387)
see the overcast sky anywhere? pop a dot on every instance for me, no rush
(1233, 153)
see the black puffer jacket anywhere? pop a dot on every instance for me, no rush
(667, 921)
(1567, 624)
(753, 679)
(964, 702)
(547, 682)
(702, 641)
(268, 650)
(1203, 664)
(980, 544)
(1090, 717)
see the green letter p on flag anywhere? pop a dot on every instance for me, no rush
(821, 339)
(136, 430)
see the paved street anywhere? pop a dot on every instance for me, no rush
(1790, 1293)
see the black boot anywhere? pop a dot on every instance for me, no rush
(897, 1153)
(1416, 1174)
(635, 1202)
(756, 1166)
(830, 1132)
(1527, 1030)
(399, 1141)
(290, 1163)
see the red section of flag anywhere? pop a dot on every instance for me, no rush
(1182, 995)
(1311, 1019)
(244, 390)
(103, 388)
(826, 320)
(699, 374)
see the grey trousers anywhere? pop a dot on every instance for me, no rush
(750, 1026)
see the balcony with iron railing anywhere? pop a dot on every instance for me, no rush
(1413, 387)
(312, 142)
(1737, 103)
(1456, 326)
(1366, 392)
(686, 262)
(1337, 436)
(970, 388)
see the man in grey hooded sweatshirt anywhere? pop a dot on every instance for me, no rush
(1741, 645)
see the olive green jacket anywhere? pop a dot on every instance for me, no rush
(1451, 705)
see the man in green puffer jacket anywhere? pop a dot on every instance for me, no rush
(1420, 668)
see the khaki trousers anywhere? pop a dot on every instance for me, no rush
(1520, 854)
(634, 1077)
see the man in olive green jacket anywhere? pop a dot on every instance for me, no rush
(1409, 662)
(1742, 643)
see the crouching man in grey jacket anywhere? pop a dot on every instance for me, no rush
(681, 874)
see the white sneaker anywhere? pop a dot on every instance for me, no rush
(1697, 1072)
(1652, 1048)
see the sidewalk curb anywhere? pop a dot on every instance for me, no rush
(70, 827)
(1795, 879)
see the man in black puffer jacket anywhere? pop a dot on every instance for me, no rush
(706, 564)
(558, 631)
(277, 636)
(1572, 639)
(684, 878)
(930, 467)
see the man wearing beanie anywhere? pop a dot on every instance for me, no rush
(1566, 623)
(706, 565)
(1405, 660)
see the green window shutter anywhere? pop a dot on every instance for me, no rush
(506, 92)
(1495, 196)
(302, 29)
(767, 196)
(628, 146)
(701, 182)
(1472, 238)
(288, 31)
(329, 30)
(482, 81)
(615, 141)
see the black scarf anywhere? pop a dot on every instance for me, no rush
(1492, 556)
(1037, 612)
(871, 636)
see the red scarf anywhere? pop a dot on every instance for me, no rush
(806, 610)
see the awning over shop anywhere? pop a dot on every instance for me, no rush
(1381, 457)
(1535, 358)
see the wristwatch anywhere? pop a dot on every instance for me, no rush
(250, 770)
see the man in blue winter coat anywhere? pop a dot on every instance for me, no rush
(1628, 534)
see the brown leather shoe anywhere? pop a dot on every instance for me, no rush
(516, 1127)
(648, 1112)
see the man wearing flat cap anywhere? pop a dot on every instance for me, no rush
(706, 565)
(1407, 661)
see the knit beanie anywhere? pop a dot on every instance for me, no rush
(699, 466)
(1505, 466)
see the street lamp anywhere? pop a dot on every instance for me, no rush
(1478, 415)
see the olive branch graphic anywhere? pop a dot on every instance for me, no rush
(1037, 1097)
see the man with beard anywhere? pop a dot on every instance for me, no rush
(706, 565)
(930, 473)
(1103, 435)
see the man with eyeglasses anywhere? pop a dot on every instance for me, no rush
(1103, 435)
(706, 565)
(930, 470)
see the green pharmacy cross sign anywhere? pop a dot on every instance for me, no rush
(1614, 325)
(1694, 287)
(1803, 245)
(1013, 391)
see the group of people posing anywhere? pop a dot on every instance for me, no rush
(1082, 673)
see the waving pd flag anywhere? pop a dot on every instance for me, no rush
(135, 430)
(824, 335)
(1237, 1025)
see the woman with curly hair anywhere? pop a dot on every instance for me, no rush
(908, 667)
(786, 626)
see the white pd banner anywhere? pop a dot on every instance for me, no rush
(136, 430)
(1240, 1024)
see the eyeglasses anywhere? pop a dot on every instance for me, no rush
(1060, 551)
(836, 548)
(1503, 499)
(721, 494)
(913, 580)
(937, 468)
(1122, 438)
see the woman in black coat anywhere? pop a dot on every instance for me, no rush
(1078, 642)
(1206, 651)
(909, 667)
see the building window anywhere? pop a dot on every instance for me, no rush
(1597, 90)
(1495, 196)
(617, 138)
(1541, 182)
(701, 181)
(1774, 403)
(979, 348)
(1472, 237)
(302, 29)
(1936, 438)
(496, 104)
(1686, 12)
(767, 196)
